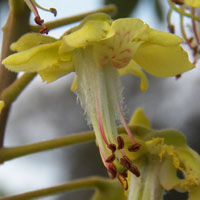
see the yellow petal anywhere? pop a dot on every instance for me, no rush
(139, 118)
(193, 3)
(30, 40)
(194, 194)
(74, 86)
(1, 105)
(135, 69)
(124, 38)
(163, 38)
(162, 61)
(168, 175)
(91, 31)
(56, 71)
(34, 59)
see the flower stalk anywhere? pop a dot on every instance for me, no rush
(109, 9)
(17, 24)
(146, 187)
(92, 182)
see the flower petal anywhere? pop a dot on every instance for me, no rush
(56, 71)
(194, 194)
(139, 118)
(162, 61)
(193, 3)
(34, 59)
(163, 38)
(135, 69)
(1, 105)
(168, 175)
(30, 40)
(91, 31)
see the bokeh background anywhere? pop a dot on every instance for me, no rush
(47, 111)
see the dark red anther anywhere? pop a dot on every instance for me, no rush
(112, 171)
(54, 11)
(134, 147)
(111, 158)
(123, 181)
(120, 142)
(112, 147)
(179, 2)
(124, 174)
(125, 162)
(44, 30)
(134, 170)
(178, 76)
(38, 20)
(171, 28)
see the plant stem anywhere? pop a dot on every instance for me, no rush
(14, 152)
(68, 20)
(17, 24)
(8, 153)
(13, 91)
(92, 182)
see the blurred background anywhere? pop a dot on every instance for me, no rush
(47, 111)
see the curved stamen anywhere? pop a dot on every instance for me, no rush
(126, 127)
(100, 122)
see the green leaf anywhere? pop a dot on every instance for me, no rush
(125, 8)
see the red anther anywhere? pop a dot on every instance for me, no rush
(178, 76)
(179, 2)
(44, 30)
(124, 174)
(111, 158)
(112, 147)
(38, 20)
(120, 142)
(134, 170)
(123, 181)
(134, 147)
(112, 172)
(125, 162)
(54, 11)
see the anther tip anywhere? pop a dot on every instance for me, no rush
(134, 147)
(54, 11)
(38, 20)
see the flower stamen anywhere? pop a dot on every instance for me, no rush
(134, 147)
(111, 158)
(120, 142)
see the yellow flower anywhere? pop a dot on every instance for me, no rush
(1, 105)
(99, 50)
(163, 154)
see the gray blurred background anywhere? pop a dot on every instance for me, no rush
(47, 111)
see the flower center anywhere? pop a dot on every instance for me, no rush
(100, 94)
(116, 50)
